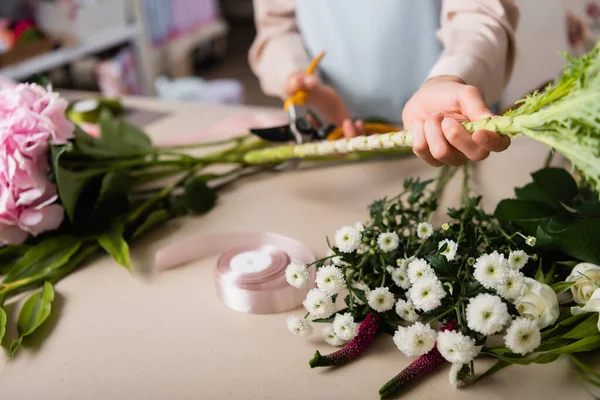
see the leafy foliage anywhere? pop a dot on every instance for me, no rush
(563, 217)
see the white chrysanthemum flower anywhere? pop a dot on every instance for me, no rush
(389, 269)
(456, 347)
(345, 327)
(318, 303)
(333, 259)
(450, 250)
(300, 326)
(330, 279)
(490, 269)
(388, 241)
(406, 310)
(331, 338)
(296, 275)
(415, 340)
(512, 286)
(381, 299)
(419, 269)
(517, 259)
(361, 286)
(347, 239)
(523, 336)
(453, 376)
(404, 262)
(487, 314)
(424, 230)
(427, 294)
(359, 226)
(400, 278)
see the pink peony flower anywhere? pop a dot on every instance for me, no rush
(31, 118)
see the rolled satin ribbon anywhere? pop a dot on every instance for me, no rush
(250, 272)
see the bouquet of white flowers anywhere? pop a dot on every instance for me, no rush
(443, 292)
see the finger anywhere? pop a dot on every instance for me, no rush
(293, 84)
(419, 144)
(349, 128)
(360, 127)
(462, 141)
(491, 141)
(472, 103)
(439, 146)
(309, 82)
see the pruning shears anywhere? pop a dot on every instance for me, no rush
(305, 125)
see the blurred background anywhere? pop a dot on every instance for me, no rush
(196, 50)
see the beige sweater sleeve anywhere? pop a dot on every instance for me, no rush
(479, 43)
(277, 50)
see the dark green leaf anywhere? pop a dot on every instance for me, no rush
(33, 314)
(588, 327)
(198, 197)
(122, 137)
(93, 147)
(112, 241)
(533, 192)
(560, 287)
(155, 218)
(499, 365)
(70, 183)
(2, 324)
(9, 256)
(587, 344)
(557, 183)
(526, 214)
(581, 240)
(360, 294)
(113, 196)
(46, 256)
(569, 320)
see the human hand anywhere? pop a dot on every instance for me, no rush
(326, 100)
(434, 115)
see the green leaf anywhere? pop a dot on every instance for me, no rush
(589, 327)
(560, 287)
(533, 192)
(155, 218)
(361, 295)
(44, 257)
(2, 324)
(122, 137)
(526, 214)
(33, 314)
(586, 344)
(557, 184)
(92, 147)
(113, 196)
(198, 197)
(112, 241)
(9, 256)
(70, 183)
(580, 240)
(568, 321)
(498, 365)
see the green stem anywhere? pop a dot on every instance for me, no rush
(465, 187)
(549, 159)
(202, 144)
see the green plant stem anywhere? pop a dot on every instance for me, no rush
(10, 289)
(465, 186)
(202, 144)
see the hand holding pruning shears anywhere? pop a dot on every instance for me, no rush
(306, 89)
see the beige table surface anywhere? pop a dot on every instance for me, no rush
(114, 336)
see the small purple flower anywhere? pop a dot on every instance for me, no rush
(416, 370)
(366, 333)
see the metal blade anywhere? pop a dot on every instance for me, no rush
(276, 134)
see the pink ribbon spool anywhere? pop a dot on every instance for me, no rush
(250, 273)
